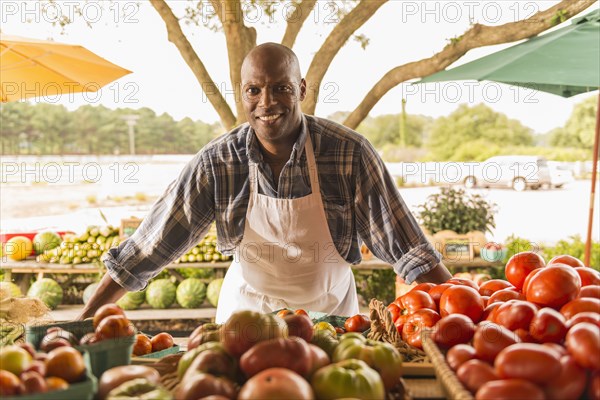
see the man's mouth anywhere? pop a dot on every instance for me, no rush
(269, 118)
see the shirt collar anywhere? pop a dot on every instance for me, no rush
(253, 149)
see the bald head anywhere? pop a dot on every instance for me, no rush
(269, 54)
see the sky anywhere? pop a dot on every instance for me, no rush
(132, 35)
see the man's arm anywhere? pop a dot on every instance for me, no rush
(108, 291)
(439, 274)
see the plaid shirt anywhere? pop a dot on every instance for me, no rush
(360, 198)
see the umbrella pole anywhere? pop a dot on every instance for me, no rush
(588, 241)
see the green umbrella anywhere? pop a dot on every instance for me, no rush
(565, 62)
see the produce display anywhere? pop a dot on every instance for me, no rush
(47, 290)
(205, 251)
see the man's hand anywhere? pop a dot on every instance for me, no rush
(108, 291)
(439, 274)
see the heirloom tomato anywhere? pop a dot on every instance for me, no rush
(348, 379)
(244, 329)
(416, 323)
(357, 323)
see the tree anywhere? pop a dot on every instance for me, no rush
(241, 37)
(385, 130)
(471, 130)
(578, 131)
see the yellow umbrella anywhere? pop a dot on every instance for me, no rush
(33, 68)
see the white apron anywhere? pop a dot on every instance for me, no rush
(287, 258)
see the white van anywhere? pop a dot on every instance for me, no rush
(517, 172)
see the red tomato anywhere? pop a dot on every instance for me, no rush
(593, 390)
(284, 312)
(357, 323)
(588, 276)
(460, 354)
(579, 305)
(554, 286)
(162, 341)
(416, 322)
(489, 312)
(490, 339)
(503, 295)
(276, 383)
(548, 325)
(142, 345)
(583, 343)
(531, 361)
(515, 314)
(394, 310)
(66, 363)
(425, 287)
(115, 326)
(300, 312)
(415, 300)
(570, 384)
(585, 316)
(510, 389)
(520, 265)
(590, 291)
(493, 285)
(558, 348)
(452, 330)
(105, 311)
(464, 282)
(484, 300)
(436, 292)
(566, 260)
(528, 279)
(460, 299)
(524, 335)
(473, 374)
(400, 321)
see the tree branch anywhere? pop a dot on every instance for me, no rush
(178, 38)
(477, 36)
(296, 20)
(332, 45)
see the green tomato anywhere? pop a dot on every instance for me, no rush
(348, 379)
(189, 356)
(383, 357)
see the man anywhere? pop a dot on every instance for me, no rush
(291, 195)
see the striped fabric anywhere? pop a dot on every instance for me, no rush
(360, 198)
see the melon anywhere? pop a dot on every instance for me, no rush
(18, 248)
(46, 240)
(89, 291)
(191, 293)
(10, 289)
(213, 290)
(161, 293)
(132, 300)
(48, 291)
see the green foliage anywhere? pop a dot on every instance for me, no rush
(515, 244)
(578, 131)
(378, 283)
(575, 247)
(385, 129)
(456, 210)
(468, 124)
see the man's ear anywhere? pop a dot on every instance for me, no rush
(302, 89)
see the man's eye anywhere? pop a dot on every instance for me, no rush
(252, 91)
(284, 89)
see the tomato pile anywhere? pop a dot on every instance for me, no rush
(535, 335)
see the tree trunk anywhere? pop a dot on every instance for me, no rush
(178, 38)
(332, 45)
(477, 36)
(295, 22)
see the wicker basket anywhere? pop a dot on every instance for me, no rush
(450, 383)
(384, 330)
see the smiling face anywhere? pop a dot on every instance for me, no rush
(272, 89)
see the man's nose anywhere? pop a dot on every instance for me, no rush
(266, 98)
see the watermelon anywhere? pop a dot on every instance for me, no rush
(89, 291)
(132, 300)
(48, 291)
(161, 293)
(46, 240)
(10, 289)
(191, 293)
(213, 290)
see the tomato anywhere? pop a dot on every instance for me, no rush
(459, 354)
(583, 343)
(66, 363)
(290, 353)
(566, 259)
(452, 330)
(585, 316)
(579, 305)
(142, 345)
(394, 310)
(503, 295)
(487, 288)
(114, 326)
(490, 339)
(425, 287)
(14, 359)
(554, 286)
(533, 362)
(528, 279)
(348, 379)
(593, 390)
(474, 373)
(244, 329)
(382, 357)
(588, 276)
(33, 382)
(201, 385)
(299, 325)
(413, 301)
(558, 348)
(324, 326)
(284, 312)
(464, 282)
(524, 335)
(400, 321)
(548, 325)
(570, 384)
(416, 323)
(276, 383)
(436, 292)
(357, 323)
(37, 366)
(460, 299)
(339, 330)
(318, 357)
(510, 389)
(105, 311)
(162, 341)
(115, 376)
(515, 314)
(590, 291)
(489, 312)
(208, 332)
(9, 383)
(520, 265)
(301, 312)
(189, 357)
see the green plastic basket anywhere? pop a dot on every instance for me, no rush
(162, 353)
(35, 333)
(85, 390)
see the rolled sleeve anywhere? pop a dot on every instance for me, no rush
(416, 262)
